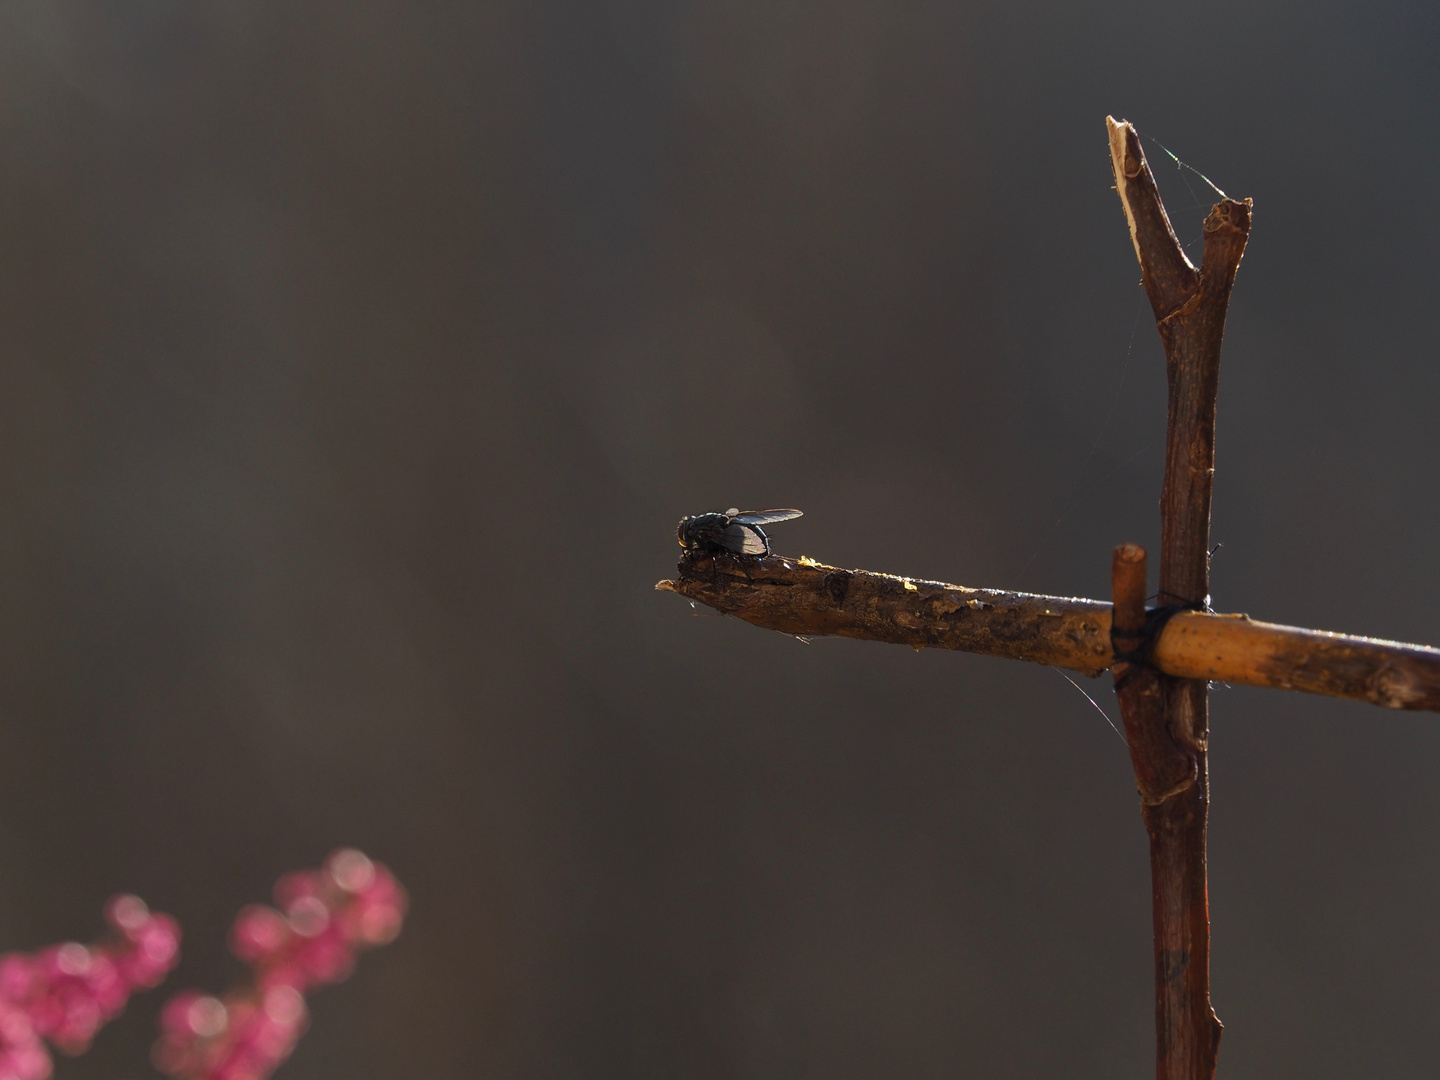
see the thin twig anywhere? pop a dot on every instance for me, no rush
(1190, 308)
(801, 596)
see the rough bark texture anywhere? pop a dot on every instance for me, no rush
(1236, 649)
(809, 598)
(1190, 308)
(800, 596)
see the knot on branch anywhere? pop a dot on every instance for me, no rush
(1152, 796)
(836, 585)
(1396, 687)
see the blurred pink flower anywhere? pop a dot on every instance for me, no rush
(66, 993)
(22, 1055)
(323, 919)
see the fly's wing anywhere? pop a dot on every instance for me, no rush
(744, 540)
(765, 517)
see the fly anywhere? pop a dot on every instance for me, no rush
(735, 531)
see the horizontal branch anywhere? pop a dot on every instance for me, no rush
(808, 598)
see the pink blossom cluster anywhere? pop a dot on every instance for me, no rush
(322, 920)
(66, 993)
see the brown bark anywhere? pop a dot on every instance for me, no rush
(796, 596)
(1234, 649)
(1190, 308)
(808, 598)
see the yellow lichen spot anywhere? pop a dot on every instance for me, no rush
(805, 560)
(910, 586)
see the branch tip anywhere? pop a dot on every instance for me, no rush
(1127, 580)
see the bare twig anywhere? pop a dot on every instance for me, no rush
(800, 596)
(1190, 310)
(809, 598)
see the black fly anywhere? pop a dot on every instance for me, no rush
(735, 531)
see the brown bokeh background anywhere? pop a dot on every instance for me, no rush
(359, 357)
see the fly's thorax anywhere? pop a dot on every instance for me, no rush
(702, 530)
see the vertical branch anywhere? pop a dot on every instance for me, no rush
(1169, 716)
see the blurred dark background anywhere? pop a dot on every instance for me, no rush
(359, 358)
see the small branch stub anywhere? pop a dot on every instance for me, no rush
(1163, 767)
